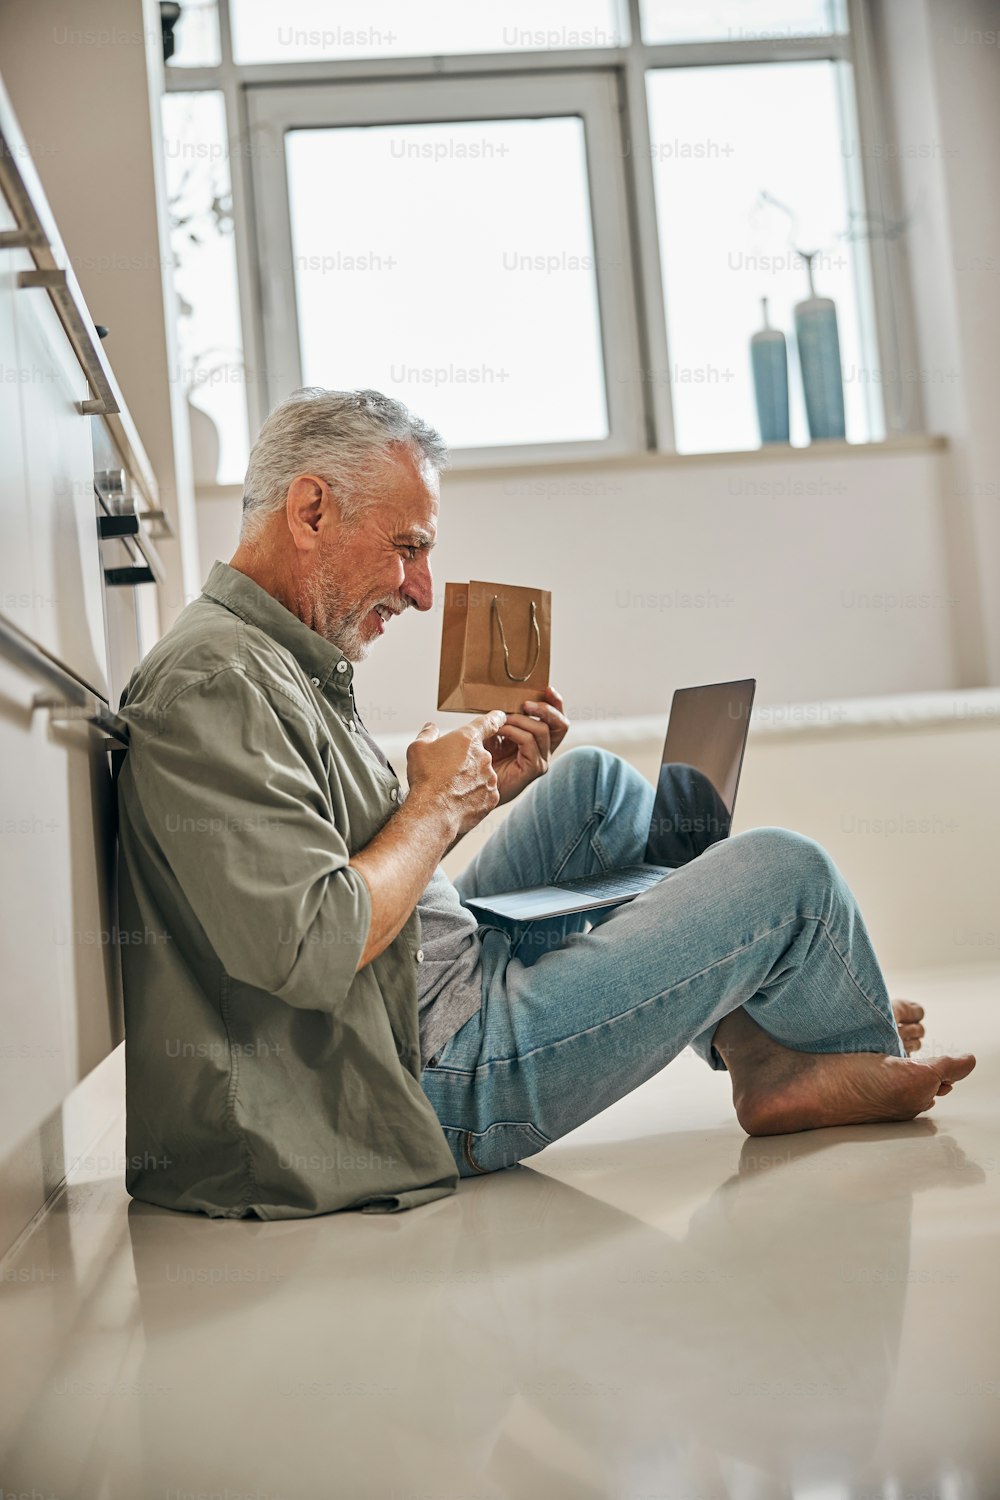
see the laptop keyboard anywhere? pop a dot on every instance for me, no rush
(630, 882)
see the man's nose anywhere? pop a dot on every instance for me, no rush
(419, 585)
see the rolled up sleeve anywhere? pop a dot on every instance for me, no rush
(234, 791)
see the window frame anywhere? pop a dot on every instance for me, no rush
(590, 96)
(648, 425)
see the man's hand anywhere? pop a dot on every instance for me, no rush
(522, 751)
(452, 787)
(454, 771)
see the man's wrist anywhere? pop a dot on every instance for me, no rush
(434, 810)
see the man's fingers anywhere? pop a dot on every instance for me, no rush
(529, 738)
(550, 716)
(429, 732)
(488, 724)
(907, 1010)
(536, 729)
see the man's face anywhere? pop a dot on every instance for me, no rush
(371, 569)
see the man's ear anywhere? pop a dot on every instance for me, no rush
(309, 507)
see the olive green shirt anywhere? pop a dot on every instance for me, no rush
(265, 1075)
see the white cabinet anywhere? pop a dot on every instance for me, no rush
(61, 987)
(67, 618)
(15, 544)
(65, 637)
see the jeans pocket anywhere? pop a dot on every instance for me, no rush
(502, 1145)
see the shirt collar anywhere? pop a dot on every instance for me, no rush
(317, 657)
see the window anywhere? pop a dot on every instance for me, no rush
(531, 229)
(738, 20)
(474, 236)
(461, 261)
(196, 36)
(736, 208)
(211, 368)
(301, 29)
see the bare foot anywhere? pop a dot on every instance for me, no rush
(909, 1016)
(777, 1090)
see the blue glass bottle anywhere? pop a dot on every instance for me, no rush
(819, 360)
(769, 358)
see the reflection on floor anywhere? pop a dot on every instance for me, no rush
(655, 1307)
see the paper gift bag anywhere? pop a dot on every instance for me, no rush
(494, 646)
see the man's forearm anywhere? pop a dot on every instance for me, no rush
(398, 864)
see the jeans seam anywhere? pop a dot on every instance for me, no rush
(597, 816)
(467, 1153)
(622, 1015)
(848, 970)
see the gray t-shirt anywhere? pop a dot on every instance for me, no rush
(449, 980)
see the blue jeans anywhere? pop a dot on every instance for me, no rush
(573, 1019)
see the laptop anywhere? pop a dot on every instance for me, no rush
(692, 809)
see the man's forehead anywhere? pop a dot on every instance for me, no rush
(413, 519)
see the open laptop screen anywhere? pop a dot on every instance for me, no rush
(696, 790)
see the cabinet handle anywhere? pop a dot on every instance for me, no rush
(122, 523)
(23, 239)
(20, 186)
(73, 700)
(55, 283)
(149, 570)
(139, 573)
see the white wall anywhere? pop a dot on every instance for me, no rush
(824, 577)
(941, 59)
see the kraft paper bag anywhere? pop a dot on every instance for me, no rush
(495, 646)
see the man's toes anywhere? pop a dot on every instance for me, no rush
(949, 1070)
(907, 1010)
(911, 1036)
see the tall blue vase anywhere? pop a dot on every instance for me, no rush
(819, 360)
(769, 359)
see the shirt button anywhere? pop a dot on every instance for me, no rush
(314, 681)
(351, 725)
(341, 666)
(420, 955)
(394, 795)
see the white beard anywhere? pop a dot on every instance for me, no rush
(339, 622)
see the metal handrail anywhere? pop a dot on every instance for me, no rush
(75, 700)
(60, 283)
(84, 343)
(36, 232)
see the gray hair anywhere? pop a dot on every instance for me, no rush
(344, 437)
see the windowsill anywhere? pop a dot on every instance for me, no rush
(882, 714)
(773, 454)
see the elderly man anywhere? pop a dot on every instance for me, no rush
(316, 1021)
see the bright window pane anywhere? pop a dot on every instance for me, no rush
(196, 36)
(719, 137)
(738, 20)
(300, 29)
(452, 266)
(211, 369)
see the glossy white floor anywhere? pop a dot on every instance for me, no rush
(655, 1307)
